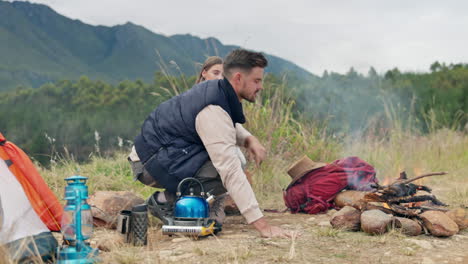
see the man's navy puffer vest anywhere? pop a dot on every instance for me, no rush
(169, 146)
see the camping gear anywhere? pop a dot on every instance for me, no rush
(133, 225)
(301, 167)
(77, 224)
(29, 210)
(313, 191)
(42, 199)
(191, 213)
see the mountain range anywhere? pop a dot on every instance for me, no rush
(38, 45)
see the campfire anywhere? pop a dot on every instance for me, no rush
(403, 205)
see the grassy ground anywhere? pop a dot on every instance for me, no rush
(443, 150)
(287, 140)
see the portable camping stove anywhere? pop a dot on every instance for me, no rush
(190, 214)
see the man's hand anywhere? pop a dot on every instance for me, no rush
(255, 149)
(267, 230)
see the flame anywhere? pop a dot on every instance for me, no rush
(418, 171)
(386, 181)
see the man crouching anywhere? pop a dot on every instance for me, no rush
(194, 134)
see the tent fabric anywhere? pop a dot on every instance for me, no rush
(42, 199)
(19, 219)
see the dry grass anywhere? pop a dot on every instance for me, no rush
(443, 150)
(287, 139)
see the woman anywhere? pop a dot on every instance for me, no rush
(212, 69)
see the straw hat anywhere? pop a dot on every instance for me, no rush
(301, 167)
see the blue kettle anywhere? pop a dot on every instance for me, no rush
(191, 206)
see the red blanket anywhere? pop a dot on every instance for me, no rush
(314, 193)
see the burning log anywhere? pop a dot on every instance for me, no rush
(405, 180)
(401, 204)
(403, 191)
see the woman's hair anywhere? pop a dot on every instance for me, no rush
(210, 62)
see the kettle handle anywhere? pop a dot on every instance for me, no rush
(181, 183)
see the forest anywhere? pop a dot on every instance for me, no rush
(78, 119)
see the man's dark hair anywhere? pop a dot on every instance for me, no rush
(244, 60)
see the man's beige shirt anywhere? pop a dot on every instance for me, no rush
(220, 137)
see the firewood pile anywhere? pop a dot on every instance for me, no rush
(402, 205)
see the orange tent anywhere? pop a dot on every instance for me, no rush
(42, 199)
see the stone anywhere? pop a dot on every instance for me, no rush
(348, 218)
(460, 217)
(106, 206)
(107, 240)
(408, 227)
(421, 243)
(350, 198)
(375, 222)
(439, 224)
(324, 224)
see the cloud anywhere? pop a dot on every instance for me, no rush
(317, 35)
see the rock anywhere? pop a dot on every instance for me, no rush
(324, 224)
(109, 241)
(375, 221)
(421, 243)
(439, 224)
(348, 218)
(106, 206)
(460, 217)
(349, 198)
(408, 227)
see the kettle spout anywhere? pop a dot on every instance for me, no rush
(210, 199)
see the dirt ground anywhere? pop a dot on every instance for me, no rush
(318, 243)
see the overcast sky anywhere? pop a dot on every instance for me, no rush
(316, 35)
